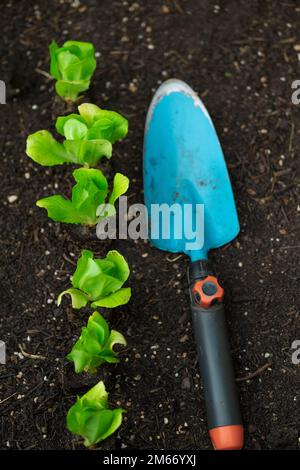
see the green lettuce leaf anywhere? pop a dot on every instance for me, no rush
(95, 345)
(100, 280)
(90, 417)
(102, 123)
(71, 89)
(60, 209)
(79, 299)
(42, 148)
(89, 136)
(72, 65)
(121, 185)
(89, 192)
(88, 152)
(121, 297)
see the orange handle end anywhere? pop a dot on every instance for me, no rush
(227, 437)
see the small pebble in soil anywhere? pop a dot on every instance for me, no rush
(132, 87)
(12, 198)
(165, 9)
(75, 4)
(166, 420)
(134, 7)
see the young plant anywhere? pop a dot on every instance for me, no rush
(99, 281)
(95, 345)
(72, 65)
(89, 203)
(88, 136)
(91, 418)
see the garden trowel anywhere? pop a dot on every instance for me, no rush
(191, 209)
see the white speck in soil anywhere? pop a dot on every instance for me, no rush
(132, 87)
(12, 198)
(75, 4)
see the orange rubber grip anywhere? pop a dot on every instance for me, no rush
(227, 437)
(209, 291)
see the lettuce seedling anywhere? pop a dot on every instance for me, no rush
(88, 136)
(88, 196)
(99, 281)
(72, 65)
(91, 418)
(95, 345)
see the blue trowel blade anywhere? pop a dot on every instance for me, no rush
(184, 164)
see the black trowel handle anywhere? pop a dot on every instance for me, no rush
(223, 411)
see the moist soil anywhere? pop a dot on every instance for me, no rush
(242, 59)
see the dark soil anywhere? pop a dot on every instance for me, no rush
(241, 57)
